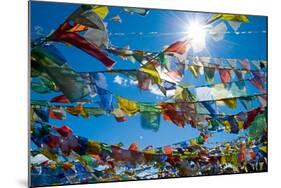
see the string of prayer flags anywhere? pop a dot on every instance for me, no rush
(226, 95)
(71, 143)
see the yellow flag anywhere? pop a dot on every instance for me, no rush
(152, 72)
(128, 106)
(240, 125)
(263, 149)
(102, 11)
(230, 17)
(231, 103)
(233, 17)
(227, 126)
(194, 69)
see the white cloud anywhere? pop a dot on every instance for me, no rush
(123, 81)
(118, 80)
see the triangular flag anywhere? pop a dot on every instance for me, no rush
(225, 75)
(179, 47)
(234, 25)
(194, 69)
(60, 99)
(231, 103)
(209, 74)
(217, 32)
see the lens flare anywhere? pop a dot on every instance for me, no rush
(197, 34)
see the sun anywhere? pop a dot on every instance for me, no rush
(197, 32)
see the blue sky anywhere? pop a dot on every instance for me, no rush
(48, 16)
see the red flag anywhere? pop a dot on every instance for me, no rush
(56, 113)
(133, 147)
(251, 116)
(60, 99)
(64, 130)
(53, 141)
(63, 34)
(170, 113)
(168, 150)
(179, 47)
(225, 75)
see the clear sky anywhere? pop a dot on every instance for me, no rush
(47, 17)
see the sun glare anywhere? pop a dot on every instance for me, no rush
(197, 34)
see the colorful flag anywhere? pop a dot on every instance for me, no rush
(225, 75)
(128, 106)
(150, 116)
(80, 42)
(179, 47)
(209, 74)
